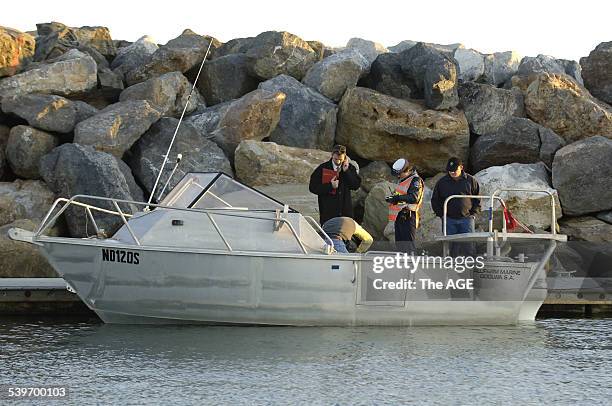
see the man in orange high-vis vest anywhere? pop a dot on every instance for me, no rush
(405, 203)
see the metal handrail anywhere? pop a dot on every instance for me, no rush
(553, 221)
(315, 223)
(445, 209)
(46, 223)
(126, 223)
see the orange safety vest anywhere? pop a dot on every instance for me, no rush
(401, 189)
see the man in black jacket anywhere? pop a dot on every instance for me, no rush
(332, 182)
(460, 211)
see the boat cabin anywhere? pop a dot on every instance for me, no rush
(214, 211)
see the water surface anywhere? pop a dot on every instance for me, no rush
(561, 361)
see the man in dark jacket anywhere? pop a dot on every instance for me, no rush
(332, 182)
(460, 211)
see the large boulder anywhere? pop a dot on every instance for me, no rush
(531, 209)
(447, 49)
(597, 71)
(169, 93)
(252, 117)
(117, 127)
(402, 46)
(73, 73)
(573, 69)
(134, 55)
(26, 146)
(273, 53)
(24, 199)
(235, 46)
(519, 140)
(307, 119)
(198, 155)
(581, 174)
(267, 163)
(471, 64)
(179, 55)
(72, 169)
(336, 73)
(376, 209)
(21, 259)
(500, 66)
(375, 172)
(587, 228)
(544, 63)
(386, 76)
(488, 108)
(371, 174)
(433, 73)
(532, 66)
(556, 101)
(206, 121)
(382, 128)
(16, 50)
(539, 64)
(55, 39)
(369, 49)
(226, 78)
(48, 112)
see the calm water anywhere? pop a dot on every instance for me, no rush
(560, 361)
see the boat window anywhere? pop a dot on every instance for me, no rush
(226, 192)
(188, 189)
(217, 190)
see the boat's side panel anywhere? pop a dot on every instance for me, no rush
(210, 287)
(132, 285)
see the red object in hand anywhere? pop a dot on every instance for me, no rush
(327, 176)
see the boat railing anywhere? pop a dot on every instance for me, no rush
(492, 237)
(553, 208)
(50, 219)
(448, 199)
(495, 196)
(315, 224)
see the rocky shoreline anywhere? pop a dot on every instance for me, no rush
(83, 113)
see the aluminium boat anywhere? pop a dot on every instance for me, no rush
(216, 251)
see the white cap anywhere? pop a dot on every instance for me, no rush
(399, 165)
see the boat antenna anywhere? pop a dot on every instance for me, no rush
(161, 169)
(178, 160)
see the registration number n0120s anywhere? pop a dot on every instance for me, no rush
(121, 256)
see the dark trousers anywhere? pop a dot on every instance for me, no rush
(405, 231)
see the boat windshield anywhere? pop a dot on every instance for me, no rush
(217, 190)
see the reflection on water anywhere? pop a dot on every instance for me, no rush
(560, 361)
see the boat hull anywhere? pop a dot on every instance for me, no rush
(150, 285)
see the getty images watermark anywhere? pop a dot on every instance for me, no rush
(413, 272)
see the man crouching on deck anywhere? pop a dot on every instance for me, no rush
(342, 229)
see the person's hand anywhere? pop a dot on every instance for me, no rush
(345, 164)
(335, 183)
